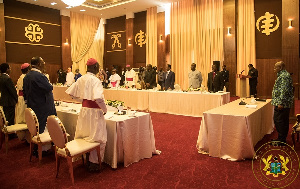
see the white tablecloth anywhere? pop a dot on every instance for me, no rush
(179, 103)
(129, 139)
(231, 131)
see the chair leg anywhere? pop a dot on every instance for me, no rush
(69, 159)
(30, 151)
(297, 137)
(293, 139)
(40, 150)
(6, 142)
(1, 139)
(82, 159)
(57, 163)
(99, 157)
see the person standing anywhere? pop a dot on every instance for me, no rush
(61, 76)
(129, 77)
(253, 74)
(37, 92)
(77, 75)
(21, 106)
(91, 125)
(282, 100)
(160, 78)
(150, 77)
(195, 77)
(215, 81)
(70, 77)
(9, 97)
(225, 75)
(114, 79)
(169, 79)
(123, 77)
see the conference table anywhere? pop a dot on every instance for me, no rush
(231, 131)
(172, 102)
(129, 138)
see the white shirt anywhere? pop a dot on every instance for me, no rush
(70, 78)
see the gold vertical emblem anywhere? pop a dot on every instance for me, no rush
(140, 38)
(34, 32)
(116, 41)
(267, 23)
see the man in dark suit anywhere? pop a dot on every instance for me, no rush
(150, 77)
(169, 79)
(215, 81)
(253, 73)
(38, 92)
(9, 96)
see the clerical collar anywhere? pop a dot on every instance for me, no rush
(37, 70)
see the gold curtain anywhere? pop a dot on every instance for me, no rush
(245, 40)
(151, 46)
(87, 40)
(196, 35)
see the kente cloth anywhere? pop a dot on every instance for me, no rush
(91, 124)
(115, 78)
(130, 74)
(70, 78)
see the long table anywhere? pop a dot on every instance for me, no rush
(231, 131)
(129, 139)
(180, 103)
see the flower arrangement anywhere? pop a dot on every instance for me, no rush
(114, 103)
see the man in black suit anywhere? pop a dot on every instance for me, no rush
(253, 73)
(9, 96)
(169, 79)
(38, 92)
(215, 81)
(150, 77)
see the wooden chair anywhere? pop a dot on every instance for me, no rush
(36, 138)
(68, 150)
(296, 130)
(6, 130)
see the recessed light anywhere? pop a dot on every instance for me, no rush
(82, 10)
(53, 3)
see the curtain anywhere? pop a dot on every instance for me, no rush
(245, 40)
(87, 40)
(151, 30)
(196, 35)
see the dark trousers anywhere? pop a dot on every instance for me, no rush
(9, 112)
(281, 121)
(253, 90)
(161, 83)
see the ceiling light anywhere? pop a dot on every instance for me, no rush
(53, 3)
(73, 3)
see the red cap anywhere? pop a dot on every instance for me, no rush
(127, 66)
(91, 61)
(25, 65)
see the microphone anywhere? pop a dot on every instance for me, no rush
(242, 71)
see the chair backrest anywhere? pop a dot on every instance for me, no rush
(57, 131)
(2, 118)
(31, 121)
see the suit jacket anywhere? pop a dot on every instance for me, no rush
(150, 77)
(9, 96)
(215, 84)
(169, 80)
(254, 74)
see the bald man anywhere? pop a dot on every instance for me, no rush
(282, 99)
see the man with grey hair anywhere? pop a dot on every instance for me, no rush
(195, 77)
(282, 99)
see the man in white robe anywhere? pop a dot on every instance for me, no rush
(70, 78)
(91, 124)
(114, 79)
(129, 77)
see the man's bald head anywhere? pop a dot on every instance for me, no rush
(279, 66)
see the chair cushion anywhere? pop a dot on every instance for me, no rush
(44, 137)
(77, 146)
(16, 127)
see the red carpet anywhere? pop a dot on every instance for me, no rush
(179, 165)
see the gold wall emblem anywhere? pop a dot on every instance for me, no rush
(267, 23)
(34, 32)
(140, 38)
(116, 41)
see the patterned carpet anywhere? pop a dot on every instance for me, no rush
(179, 165)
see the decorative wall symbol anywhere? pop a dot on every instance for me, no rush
(140, 38)
(116, 37)
(267, 25)
(34, 32)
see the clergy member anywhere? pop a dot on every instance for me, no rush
(91, 124)
(70, 77)
(21, 106)
(129, 77)
(114, 79)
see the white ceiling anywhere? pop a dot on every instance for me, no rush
(136, 6)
